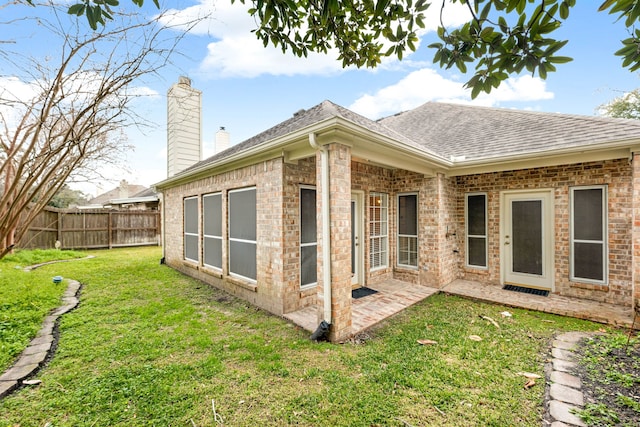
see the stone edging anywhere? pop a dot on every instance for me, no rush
(42, 346)
(564, 390)
(33, 267)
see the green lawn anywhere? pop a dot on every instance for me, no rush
(148, 346)
(26, 298)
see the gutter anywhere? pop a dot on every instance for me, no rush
(323, 328)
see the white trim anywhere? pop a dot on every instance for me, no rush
(184, 227)
(212, 236)
(398, 235)
(382, 237)
(308, 244)
(357, 196)
(603, 242)
(486, 231)
(231, 239)
(547, 278)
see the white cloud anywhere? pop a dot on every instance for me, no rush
(236, 52)
(427, 85)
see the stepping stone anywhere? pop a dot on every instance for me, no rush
(16, 373)
(564, 345)
(566, 394)
(566, 379)
(563, 365)
(567, 355)
(6, 387)
(573, 337)
(38, 348)
(47, 326)
(31, 359)
(562, 412)
(42, 340)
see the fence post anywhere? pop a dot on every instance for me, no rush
(59, 227)
(109, 231)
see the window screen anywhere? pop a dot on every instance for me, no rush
(588, 234)
(308, 237)
(408, 230)
(212, 235)
(476, 222)
(191, 229)
(242, 233)
(378, 230)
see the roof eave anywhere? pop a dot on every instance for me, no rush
(294, 146)
(581, 154)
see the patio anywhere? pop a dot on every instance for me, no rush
(394, 296)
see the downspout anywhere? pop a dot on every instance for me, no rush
(326, 232)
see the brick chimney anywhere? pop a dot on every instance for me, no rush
(184, 126)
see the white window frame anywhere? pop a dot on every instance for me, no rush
(233, 239)
(603, 242)
(307, 244)
(190, 234)
(476, 236)
(383, 238)
(399, 236)
(206, 236)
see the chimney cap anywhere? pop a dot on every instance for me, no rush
(183, 80)
(222, 128)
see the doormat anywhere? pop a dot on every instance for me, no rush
(526, 290)
(362, 292)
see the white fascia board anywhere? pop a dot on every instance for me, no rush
(582, 154)
(144, 199)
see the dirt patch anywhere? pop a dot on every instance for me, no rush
(609, 367)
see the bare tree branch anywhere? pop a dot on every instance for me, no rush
(67, 114)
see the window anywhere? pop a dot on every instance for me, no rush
(191, 229)
(378, 230)
(308, 237)
(408, 230)
(476, 229)
(242, 233)
(212, 233)
(589, 234)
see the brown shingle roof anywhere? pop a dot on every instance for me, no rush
(454, 130)
(300, 120)
(482, 132)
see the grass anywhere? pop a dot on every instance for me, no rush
(149, 346)
(26, 298)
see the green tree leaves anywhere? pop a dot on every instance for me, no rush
(502, 38)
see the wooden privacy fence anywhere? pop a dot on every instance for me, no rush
(91, 229)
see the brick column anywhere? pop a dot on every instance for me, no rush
(340, 232)
(635, 236)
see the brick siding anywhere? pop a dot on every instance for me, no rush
(616, 174)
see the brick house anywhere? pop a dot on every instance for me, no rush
(427, 196)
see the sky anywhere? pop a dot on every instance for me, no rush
(248, 88)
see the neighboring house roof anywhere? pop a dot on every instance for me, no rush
(116, 193)
(454, 138)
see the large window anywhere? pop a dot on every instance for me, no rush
(378, 230)
(476, 229)
(212, 233)
(242, 233)
(589, 234)
(408, 230)
(191, 237)
(308, 237)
